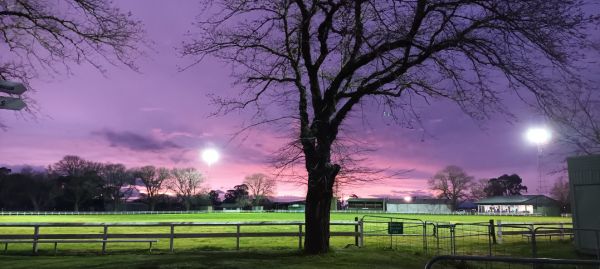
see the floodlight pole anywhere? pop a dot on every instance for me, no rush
(539, 168)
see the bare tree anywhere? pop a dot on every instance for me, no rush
(478, 189)
(560, 192)
(452, 183)
(46, 35)
(78, 177)
(578, 121)
(153, 179)
(186, 183)
(321, 60)
(117, 183)
(260, 186)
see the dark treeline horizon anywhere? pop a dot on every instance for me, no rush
(76, 184)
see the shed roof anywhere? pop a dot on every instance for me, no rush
(427, 201)
(515, 200)
(362, 200)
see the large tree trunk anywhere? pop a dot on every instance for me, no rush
(318, 206)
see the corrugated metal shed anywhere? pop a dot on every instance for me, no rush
(584, 188)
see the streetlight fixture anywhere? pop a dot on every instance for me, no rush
(539, 136)
(12, 89)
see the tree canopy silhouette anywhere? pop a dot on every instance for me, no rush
(505, 185)
(322, 59)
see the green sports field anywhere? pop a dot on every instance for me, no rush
(220, 252)
(263, 217)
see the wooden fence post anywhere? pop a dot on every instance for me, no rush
(499, 231)
(36, 234)
(356, 231)
(300, 236)
(171, 238)
(237, 246)
(104, 238)
(361, 230)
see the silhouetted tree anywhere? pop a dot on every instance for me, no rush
(478, 189)
(78, 178)
(452, 183)
(39, 188)
(4, 172)
(117, 184)
(153, 179)
(42, 36)
(214, 197)
(560, 193)
(321, 60)
(505, 185)
(238, 195)
(578, 121)
(260, 187)
(186, 183)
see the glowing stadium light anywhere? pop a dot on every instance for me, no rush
(538, 136)
(210, 156)
(407, 199)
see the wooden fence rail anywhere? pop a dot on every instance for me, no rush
(106, 237)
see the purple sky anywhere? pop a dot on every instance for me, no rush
(159, 117)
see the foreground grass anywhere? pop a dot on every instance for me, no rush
(339, 258)
(255, 252)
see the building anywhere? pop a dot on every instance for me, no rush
(368, 204)
(409, 205)
(297, 205)
(519, 205)
(584, 188)
(416, 205)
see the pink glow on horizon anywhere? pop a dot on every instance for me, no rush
(160, 117)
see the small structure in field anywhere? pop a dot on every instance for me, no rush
(419, 205)
(408, 205)
(519, 205)
(366, 204)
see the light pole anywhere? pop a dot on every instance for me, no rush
(539, 136)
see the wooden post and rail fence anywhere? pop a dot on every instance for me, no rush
(36, 237)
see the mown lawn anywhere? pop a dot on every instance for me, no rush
(220, 253)
(339, 258)
(263, 217)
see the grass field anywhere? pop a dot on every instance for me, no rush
(219, 252)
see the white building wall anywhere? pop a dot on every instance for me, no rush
(419, 208)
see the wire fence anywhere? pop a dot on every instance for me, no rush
(491, 238)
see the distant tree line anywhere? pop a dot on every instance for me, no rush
(74, 184)
(256, 190)
(454, 184)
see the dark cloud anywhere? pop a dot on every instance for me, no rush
(135, 141)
